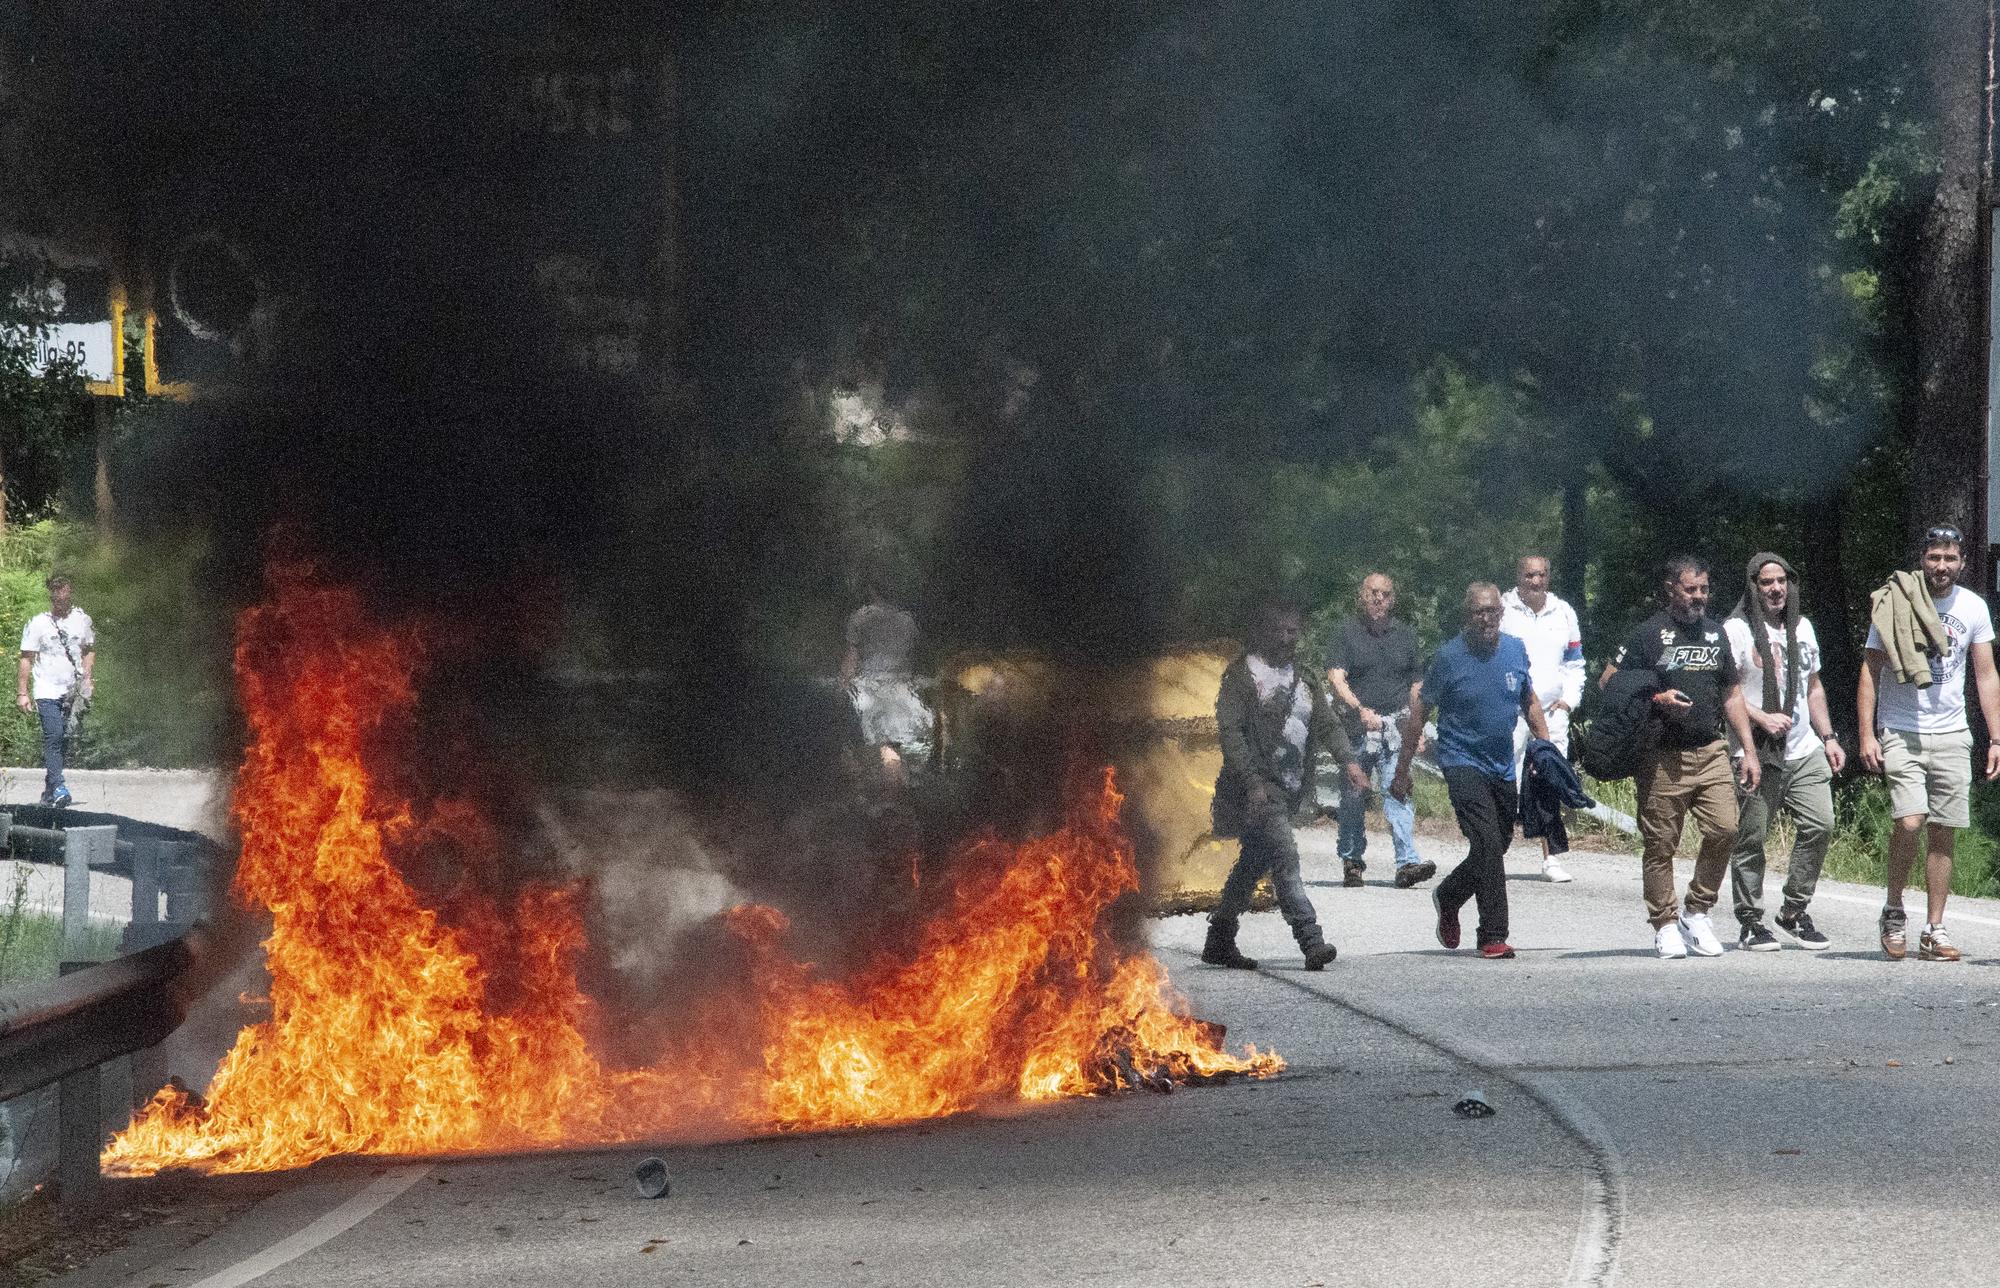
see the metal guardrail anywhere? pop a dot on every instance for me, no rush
(156, 864)
(90, 1016)
(68, 1030)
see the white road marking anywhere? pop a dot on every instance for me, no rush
(342, 1219)
(1917, 898)
(1593, 1261)
(1593, 1258)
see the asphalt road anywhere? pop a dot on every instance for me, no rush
(1784, 1117)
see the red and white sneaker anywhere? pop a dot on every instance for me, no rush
(1447, 925)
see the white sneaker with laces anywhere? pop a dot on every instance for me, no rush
(1700, 934)
(1668, 943)
(1555, 871)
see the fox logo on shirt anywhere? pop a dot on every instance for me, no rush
(1692, 657)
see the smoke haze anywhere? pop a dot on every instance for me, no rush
(1068, 243)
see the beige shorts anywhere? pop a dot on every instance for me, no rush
(1929, 774)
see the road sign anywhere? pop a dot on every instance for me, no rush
(75, 311)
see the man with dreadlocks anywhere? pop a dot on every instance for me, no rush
(1777, 654)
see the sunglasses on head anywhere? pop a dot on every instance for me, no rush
(1942, 533)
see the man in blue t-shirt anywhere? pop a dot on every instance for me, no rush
(1479, 684)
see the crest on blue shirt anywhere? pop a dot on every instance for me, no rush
(1513, 682)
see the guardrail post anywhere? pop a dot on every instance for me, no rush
(79, 1129)
(146, 855)
(84, 848)
(184, 879)
(152, 870)
(153, 863)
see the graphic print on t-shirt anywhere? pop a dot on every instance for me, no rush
(1274, 684)
(1705, 656)
(1754, 667)
(1938, 707)
(1693, 657)
(1950, 664)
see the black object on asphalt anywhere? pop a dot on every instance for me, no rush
(1474, 1106)
(650, 1178)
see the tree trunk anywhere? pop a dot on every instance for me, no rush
(1573, 551)
(1823, 574)
(1947, 414)
(100, 410)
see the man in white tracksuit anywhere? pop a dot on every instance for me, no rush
(1548, 626)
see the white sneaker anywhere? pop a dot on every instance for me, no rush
(1668, 943)
(1554, 871)
(1700, 934)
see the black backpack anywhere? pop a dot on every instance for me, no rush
(1618, 737)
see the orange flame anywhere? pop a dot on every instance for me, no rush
(398, 1029)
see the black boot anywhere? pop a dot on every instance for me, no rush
(1220, 950)
(1312, 942)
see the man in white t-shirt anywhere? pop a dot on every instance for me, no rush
(58, 653)
(1777, 654)
(1919, 738)
(1272, 718)
(1547, 626)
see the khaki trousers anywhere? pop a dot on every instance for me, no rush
(1676, 782)
(1805, 787)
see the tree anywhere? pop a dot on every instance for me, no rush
(1946, 410)
(42, 417)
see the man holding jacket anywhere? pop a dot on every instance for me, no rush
(1547, 626)
(1687, 771)
(1272, 717)
(1911, 700)
(1479, 682)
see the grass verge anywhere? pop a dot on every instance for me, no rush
(31, 943)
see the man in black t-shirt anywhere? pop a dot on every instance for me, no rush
(1372, 667)
(1688, 770)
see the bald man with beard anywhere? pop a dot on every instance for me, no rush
(1374, 668)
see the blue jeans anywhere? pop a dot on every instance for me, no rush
(1377, 753)
(51, 713)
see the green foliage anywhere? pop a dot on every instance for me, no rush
(161, 679)
(1452, 500)
(44, 419)
(33, 945)
(1860, 848)
(1875, 208)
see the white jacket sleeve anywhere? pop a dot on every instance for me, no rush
(1572, 660)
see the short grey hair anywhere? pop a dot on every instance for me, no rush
(1478, 588)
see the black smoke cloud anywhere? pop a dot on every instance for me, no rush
(1236, 228)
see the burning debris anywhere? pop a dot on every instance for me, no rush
(413, 1023)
